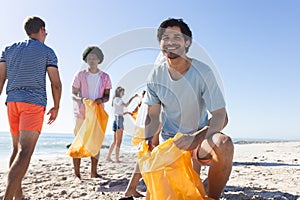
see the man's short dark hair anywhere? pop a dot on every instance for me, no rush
(94, 50)
(171, 22)
(33, 25)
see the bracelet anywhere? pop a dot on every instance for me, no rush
(82, 99)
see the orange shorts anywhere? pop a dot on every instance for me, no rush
(25, 116)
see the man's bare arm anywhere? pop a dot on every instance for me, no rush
(2, 75)
(152, 121)
(56, 88)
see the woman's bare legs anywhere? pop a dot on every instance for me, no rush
(111, 148)
(119, 137)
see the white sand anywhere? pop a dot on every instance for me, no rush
(260, 171)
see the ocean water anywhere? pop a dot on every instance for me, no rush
(53, 144)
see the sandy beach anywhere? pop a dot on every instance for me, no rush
(260, 171)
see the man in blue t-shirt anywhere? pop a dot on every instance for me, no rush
(184, 93)
(25, 65)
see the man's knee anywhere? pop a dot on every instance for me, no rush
(223, 144)
(25, 153)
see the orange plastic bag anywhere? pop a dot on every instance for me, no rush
(89, 138)
(168, 172)
(134, 115)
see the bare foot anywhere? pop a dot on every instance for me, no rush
(109, 160)
(133, 193)
(78, 176)
(118, 161)
(20, 198)
(77, 179)
(23, 198)
(96, 176)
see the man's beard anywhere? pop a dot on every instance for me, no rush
(171, 55)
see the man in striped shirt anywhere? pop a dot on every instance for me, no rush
(25, 65)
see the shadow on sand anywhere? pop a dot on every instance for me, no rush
(243, 193)
(265, 164)
(119, 185)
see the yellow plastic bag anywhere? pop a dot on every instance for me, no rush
(89, 138)
(168, 172)
(139, 128)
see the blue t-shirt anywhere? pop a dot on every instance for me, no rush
(26, 65)
(185, 102)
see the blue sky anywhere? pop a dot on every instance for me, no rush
(255, 46)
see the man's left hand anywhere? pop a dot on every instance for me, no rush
(187, 142)
(53, 112)
(191, 141)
